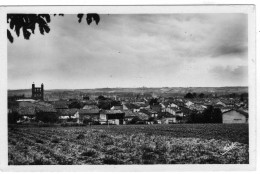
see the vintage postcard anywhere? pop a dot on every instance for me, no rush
(128, 88)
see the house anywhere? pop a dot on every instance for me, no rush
(142, 105)
(197, 107)
(144, 118)
(65, 114)
(90, 107)
(150, 112)
(111, 117)
(179, 103)
(174, 111)
(125, 106)
(235, 116)
(129, 115)
(132, 107)
(117, 108)
(168, 120)
(156, 108)
(220, 104)
(189, 103)
(46, 113)
(186, 111)
(27, 113)
(89, 112)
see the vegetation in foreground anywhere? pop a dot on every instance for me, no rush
(129, 144)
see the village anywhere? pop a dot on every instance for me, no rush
(110, 109)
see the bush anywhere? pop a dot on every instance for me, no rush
(80, 136)
(111, 160)
(89, 152)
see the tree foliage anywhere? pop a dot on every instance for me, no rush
(47, 117)
(76, 104)
(154, 101)
(209, 115)
(13, 118)
(201, 95)
(27, 23)
(189, 95)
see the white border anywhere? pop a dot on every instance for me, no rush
(126, 10)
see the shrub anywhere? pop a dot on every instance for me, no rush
(111, 160)
(55, 140)
(81, 136)
(89, 152)
(39, 141)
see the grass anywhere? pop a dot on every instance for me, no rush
(129, 144)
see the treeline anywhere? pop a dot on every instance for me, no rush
(209, 115)
(243, 96)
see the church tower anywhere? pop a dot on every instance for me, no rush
(38, 92)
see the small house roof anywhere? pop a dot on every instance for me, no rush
(112, 111)
(129, 113)
(89, 111)
(142, 116)
(67, 112)
(90, 107)
(239, 111)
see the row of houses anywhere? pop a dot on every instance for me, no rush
(167, 111)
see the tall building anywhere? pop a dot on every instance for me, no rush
(37, 92)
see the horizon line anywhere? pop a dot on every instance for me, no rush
(131, 87)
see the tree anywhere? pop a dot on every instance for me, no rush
(194, 94)
(27, 23)
(212, 115)
(13, 117)
(101, 97)
(135, 120)
(201, 95)
(47, 117)
(209, 115)
(75, 104)
(104, 104)
(154, 101)
(85, 97)
(188, 95)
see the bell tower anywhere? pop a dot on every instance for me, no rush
(38, 92)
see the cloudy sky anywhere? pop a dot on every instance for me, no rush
(173, 50)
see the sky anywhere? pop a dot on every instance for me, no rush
(133, 50)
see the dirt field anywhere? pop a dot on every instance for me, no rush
(129, 144)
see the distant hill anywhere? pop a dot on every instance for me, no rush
(163, 90)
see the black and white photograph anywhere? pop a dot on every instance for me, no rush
(130, 85)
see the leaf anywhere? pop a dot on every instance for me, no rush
(89, 19)
(46, 16)
(96, 18)
(46, 28)
(26, 33)
(17, 29)
(42, 25)
(80, 16)
(41, 29)
(93, 16)
(12, 24)
(32, 27)
(9, 36)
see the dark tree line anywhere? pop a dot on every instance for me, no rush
(107, 103)
(209, 115)
(27, 23)
(194, 95)
(154, 101)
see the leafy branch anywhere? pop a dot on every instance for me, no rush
(27, 23)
